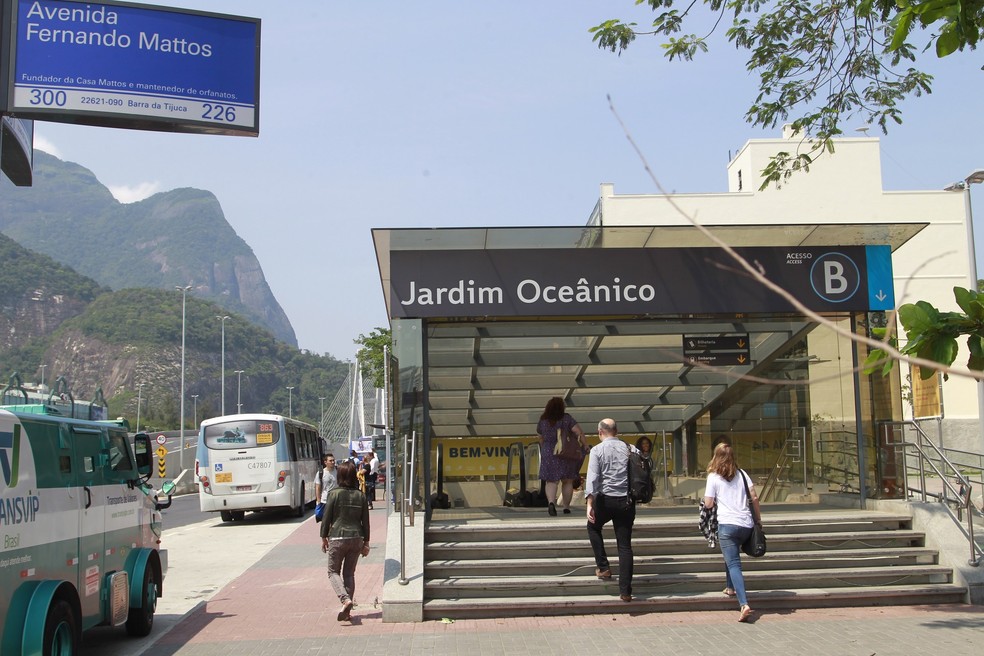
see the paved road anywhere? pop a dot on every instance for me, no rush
(203, 557)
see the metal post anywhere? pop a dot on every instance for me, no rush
(139, 398)
(239, 391)
(290, 401)
(41, 388)
(222, 319)
(403, 580)
(181, 430)
(389, 441)
(858, 424)
(666, 481)
(194, 418)
(413, 479)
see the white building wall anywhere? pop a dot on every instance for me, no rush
(841, 187)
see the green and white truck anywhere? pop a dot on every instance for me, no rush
(80, 530)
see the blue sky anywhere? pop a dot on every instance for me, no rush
(463, 113)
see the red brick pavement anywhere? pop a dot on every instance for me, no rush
(286, 596)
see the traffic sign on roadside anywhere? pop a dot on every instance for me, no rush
(161, 439)
(161, 451)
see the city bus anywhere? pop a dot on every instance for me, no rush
(256, 462)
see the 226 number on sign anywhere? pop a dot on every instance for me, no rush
(224, 113)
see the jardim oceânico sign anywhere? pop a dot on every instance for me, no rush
(623, 281)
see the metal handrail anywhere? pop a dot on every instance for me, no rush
(773, 478)
(961, 492)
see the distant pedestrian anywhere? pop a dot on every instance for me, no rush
(345, 536)
(324, 482)
(726, 492)
(373, 476)
(555, 425)
(368, 487)
(606, 490)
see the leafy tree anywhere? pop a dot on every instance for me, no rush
(371, 356)
(932, 334)
(826, 61)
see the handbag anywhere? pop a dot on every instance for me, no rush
(568, 447)
(754, 545)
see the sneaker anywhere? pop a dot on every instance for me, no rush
(625, 597)
(552, 510)
(604, 574)
(346, 611)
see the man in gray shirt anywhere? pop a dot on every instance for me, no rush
(607, 492)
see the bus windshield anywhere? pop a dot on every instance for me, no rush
(243, 434)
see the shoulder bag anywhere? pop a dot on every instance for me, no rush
(754, 546)
(568, 447)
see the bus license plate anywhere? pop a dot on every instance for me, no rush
(244, 488)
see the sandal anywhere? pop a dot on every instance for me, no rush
(745, 613)
(346, 612)
(729, 592)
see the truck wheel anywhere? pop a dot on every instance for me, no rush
(140, 621)
(226, 515)
(238, 515)
(61, 630)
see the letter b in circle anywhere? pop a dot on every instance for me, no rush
(835, 277)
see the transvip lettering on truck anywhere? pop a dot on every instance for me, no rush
(80, 530)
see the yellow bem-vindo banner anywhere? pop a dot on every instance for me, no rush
(486, 456)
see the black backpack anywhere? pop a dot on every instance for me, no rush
(641, 484)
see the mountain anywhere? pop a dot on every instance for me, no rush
(128, 344)
(174, 238)
(37, 295)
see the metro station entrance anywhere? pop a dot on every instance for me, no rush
(677, 344)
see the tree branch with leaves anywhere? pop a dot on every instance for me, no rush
(819, 62)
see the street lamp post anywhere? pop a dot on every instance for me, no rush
(290, 399)
(223, 320)
(139, 399)
(195, 419)
(41, 389)
(184, 295)
(239, 391)
(321, 418)
(975, 177)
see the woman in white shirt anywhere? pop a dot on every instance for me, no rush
(726, 491)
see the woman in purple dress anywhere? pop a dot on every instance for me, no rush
(553, 469)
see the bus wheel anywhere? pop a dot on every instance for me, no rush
(140, 621)
(226, 515)
(238, 515)
(61, 630)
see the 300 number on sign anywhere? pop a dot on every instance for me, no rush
(48, 97)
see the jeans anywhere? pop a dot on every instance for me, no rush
(621, 512)
(731, 537)
(343, 556)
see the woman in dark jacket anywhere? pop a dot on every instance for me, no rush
(345, 535)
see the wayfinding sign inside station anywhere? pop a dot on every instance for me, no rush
(126, 65)
(721, 350)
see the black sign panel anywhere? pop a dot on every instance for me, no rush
(720, 350)
(700, 343)
(658, 281)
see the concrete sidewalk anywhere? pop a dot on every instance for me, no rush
(284, 605)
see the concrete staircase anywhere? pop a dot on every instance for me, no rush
(519, 561)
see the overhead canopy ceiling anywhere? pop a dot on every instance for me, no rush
(492, 378)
